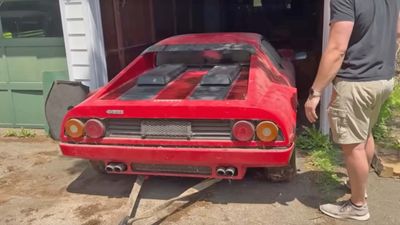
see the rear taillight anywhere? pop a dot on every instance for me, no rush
(267, 131)
(94, 128)
(243, 131)
(74, 128)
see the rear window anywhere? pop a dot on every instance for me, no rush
(272, 54)
(204, 58)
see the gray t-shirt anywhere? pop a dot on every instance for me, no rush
(372, 48)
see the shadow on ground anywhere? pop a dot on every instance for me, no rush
(250, 190)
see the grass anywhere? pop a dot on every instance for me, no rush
(323, 156)
(390, 109)
(22, 133)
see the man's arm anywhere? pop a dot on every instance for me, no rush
(331, 61)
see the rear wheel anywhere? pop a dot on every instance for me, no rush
(98, 166)
(283, 174)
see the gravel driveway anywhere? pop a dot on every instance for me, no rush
(40, 187)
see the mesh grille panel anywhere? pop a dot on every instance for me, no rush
(165, 128)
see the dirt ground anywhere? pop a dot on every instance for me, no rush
(38, 186)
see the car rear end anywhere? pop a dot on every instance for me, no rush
(185, 147)
(186, 115)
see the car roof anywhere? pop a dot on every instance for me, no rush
(213, 38)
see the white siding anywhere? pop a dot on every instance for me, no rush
(83, 36)
(326, 96)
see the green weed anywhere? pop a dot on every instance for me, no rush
(389, 109)
(323, 156)
(11, 133)
(22, 133)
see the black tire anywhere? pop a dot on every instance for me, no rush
(283, 174)
(98, 166)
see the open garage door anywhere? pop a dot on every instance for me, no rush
(131, 26)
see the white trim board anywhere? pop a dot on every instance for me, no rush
(326, 96)
(84, 44)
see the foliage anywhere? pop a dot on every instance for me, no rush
(26, 133)
(389, 109)
(11, 133)
(22, 133)
(323, 156)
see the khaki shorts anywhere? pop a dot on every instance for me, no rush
(355, 107)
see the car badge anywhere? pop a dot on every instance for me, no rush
(115, 112)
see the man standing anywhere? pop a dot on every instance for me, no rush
(360, 60)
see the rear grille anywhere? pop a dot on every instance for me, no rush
(176, 169)
(213, 129)
(170, 129)
(124, 128)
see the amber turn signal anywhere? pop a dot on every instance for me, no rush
(74, 128)
(267, 131)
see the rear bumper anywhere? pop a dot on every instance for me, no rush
(205, 157)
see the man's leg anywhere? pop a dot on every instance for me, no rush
(357, 168)
(355, 156)
(370, 148)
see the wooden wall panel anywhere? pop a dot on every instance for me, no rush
(108, 20)
(184, 16)
(128, 29)
(136, 22)
(164, 18)
(130, 26)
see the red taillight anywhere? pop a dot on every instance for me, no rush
(243, 131)
(94, 128)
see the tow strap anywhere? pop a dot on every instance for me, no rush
(162, 211)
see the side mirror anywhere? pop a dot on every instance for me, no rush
(300, 56)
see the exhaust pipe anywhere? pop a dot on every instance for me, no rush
(221, 171)
(230, 171)
(110, 168)
(120, 167)
(116, 167)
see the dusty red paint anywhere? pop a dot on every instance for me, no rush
(262, 92)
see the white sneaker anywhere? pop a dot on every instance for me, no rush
(346, 210)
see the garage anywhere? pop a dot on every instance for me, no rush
(131, 26)
(102, 37)
(32, 55)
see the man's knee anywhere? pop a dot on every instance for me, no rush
(352, 148)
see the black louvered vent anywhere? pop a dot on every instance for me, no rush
(124, 128)
(211, 129)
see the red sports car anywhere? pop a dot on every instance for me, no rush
(198, 105)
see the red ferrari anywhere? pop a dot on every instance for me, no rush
(197, 105)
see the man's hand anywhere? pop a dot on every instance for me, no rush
(310, 108)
